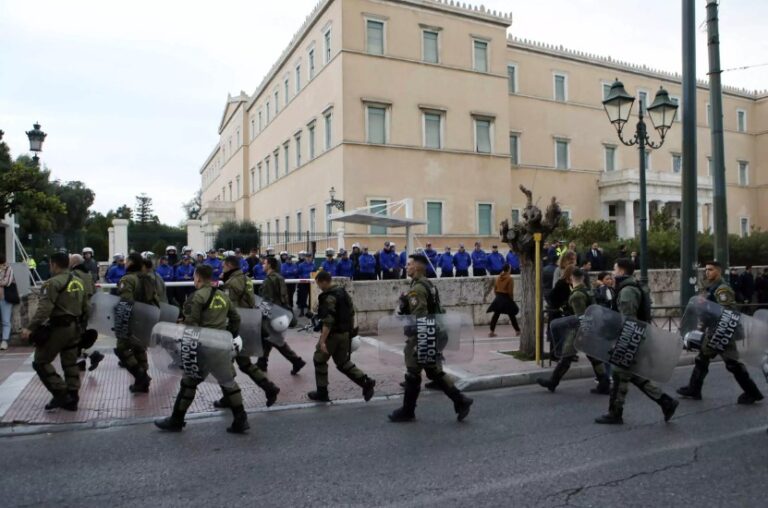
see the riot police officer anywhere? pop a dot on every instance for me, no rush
(721, 293)
(337, 314)
(208, 307)
(136, 286)
(423, 300)
(239, 289)
(80, 268)
(54, 330)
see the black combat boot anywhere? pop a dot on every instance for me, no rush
(119, 358)
(367, 384)
(603, 386)
(668, 406)
(751, 393)
(407, 412)
(461, 403)
(142, 379)
(222, 403)
(693, 389)
(175, 422)
(614, 415)
(59, 399)
(319, 395)
(72, 400)
(298, 364)
(96, 358)
(270, 390)
(81, 364)
(560, 369)
(240, 422)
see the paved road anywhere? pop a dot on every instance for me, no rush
(519, 447)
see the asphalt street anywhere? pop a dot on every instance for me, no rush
(519, 447)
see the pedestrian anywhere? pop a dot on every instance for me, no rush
(274, 291)
(336, 312)
(635, 260)
(605, 294)
(462, 261)
(7, 285)
(208, 307)
(54, 332)
(446, 263)
(567, 259)
(306, 267)
(548, 278)
(719, 292)
(424, 300)
(136, 286)
(557, 305)
(330, 264)
(496, 261)
(578, 301)
(239, 289)
(367, 265)
(595, 257)
(90, 264)
(479, 261)
(504, 300)
(630, 298)
(586, 267)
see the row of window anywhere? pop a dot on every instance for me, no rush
(271, 108)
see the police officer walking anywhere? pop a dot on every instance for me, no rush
(91, 266)
(136, 286)
(208, 307)
(80, 269)
(630, 304)
(721, 293)
(239, 289)
(274, 291)
(54, 330)
(424, 300)
(337, 314)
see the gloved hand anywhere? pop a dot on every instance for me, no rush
(237, 344)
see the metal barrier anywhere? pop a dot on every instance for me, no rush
(189, 284)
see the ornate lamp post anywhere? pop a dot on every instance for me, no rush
(618, 106)
(36, 138)
(335, 202)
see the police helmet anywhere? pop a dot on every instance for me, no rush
(280, 323)
(199, 253)
(147, 254)
(88, 250)
(329, 252)
(170, 248)
(118, 256)
(229, 253)
(284, 253)
(186, 248)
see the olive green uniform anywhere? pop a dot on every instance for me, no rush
(629, 300)
(578, 302)
(239, 289)
(275, 291)
(64, 306)
(136, 287)
(336, 311)
(423, 300)
(721, 293)
(208, 308)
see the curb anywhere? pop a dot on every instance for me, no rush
(493, 381)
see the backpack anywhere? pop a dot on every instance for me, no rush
(644, 311)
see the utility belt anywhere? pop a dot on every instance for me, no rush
(43, 333)
(62, 321)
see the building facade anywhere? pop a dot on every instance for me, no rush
(423, 99)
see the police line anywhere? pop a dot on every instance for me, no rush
(189, 283)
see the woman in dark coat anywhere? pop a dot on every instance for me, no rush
(504, 302)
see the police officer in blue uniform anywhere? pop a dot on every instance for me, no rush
(330, 265)
(344, 266)
(462, 261)
(514, 262)
(495, 261)
(389, 262)
(479, 261)
(215, 263)
(445, 262)
(367, 265)
(117, 270)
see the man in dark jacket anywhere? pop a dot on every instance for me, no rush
(595, 256)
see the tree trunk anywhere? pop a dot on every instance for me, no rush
(527, 306)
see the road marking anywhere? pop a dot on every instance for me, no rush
(11, 388)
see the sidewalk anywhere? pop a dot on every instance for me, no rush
(104, 394)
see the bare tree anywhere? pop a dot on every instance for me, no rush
(520, 239)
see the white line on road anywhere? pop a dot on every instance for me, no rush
(11, 388)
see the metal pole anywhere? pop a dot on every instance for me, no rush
(720, 209)
(537, 239)
(642, 135)
(689, 223)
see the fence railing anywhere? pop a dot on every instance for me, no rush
(295, 242)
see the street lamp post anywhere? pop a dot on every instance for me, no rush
(618, 107)
(36, 138)
(335, 202)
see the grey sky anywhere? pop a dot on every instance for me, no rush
(131, 93)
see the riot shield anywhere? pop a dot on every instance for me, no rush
(762, 315)
(250, 332)
(195, 352)
(102, 316)
(643, 349)
(563, 328)
(275, 321)
(143, 318)
(447, 338)
(168, 313)
(718, 327)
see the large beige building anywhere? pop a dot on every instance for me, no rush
(431, 100)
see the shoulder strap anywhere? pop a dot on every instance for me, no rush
(210, 298)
